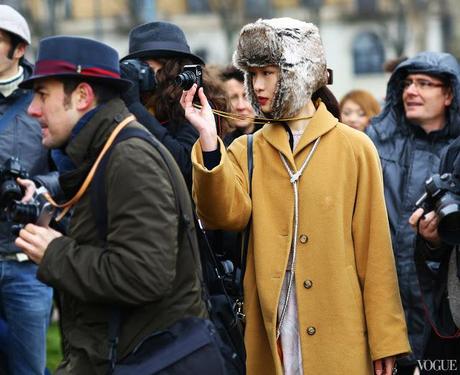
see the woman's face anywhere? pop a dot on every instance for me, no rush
(265, 82)
(353, 115)
(239, 103)
(154, 64)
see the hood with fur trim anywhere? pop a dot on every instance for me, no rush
(292, 45)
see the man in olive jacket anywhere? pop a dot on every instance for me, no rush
(144, 266)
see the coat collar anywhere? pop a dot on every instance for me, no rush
(87, 144)
(321, 123)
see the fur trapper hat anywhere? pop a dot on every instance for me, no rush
(295, 47)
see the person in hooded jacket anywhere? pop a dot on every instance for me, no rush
(25, 302)
(320, 288)
(420, 119)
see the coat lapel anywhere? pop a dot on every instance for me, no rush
(276, 135)
(321, 123)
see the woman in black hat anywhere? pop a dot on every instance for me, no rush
(164, 48)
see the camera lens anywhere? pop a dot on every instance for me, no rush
(186, 79)
(23, 213)
(9, 191)
(449, 223)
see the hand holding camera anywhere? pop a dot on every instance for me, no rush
(202, 118)
(191, 74)
(37, 211)
(34, 240)
(441, 203)
(426, 224)
(10, 190)
(21, 202)
(141, 76)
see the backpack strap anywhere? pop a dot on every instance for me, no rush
(183, 204)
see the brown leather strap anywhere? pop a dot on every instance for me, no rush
(70, 203)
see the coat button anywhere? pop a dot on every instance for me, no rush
(311, 331)
(303, 238)
(307, 284)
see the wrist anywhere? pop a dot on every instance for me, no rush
(208, 141)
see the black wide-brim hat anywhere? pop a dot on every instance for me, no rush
(76, 57)
(159, 39)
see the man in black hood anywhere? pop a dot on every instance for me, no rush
(419, 120)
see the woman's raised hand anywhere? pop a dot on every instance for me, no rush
(201, 119)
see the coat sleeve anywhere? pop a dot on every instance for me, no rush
(387, 332)
(221, 194)
(138, 264)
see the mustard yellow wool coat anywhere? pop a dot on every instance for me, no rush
(348, 299)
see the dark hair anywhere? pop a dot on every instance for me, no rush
(329, 100)
(102, 91)
(231, 72)
(164, 101)
(15, 40)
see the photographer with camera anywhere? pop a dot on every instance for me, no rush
(25, 302)
(420, 119)
(154, 96)
(436, 220)
(126, 268)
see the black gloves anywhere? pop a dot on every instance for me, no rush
(132, 95)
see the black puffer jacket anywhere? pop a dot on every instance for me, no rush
(409, 156)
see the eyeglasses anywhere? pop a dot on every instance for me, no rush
(421, 84)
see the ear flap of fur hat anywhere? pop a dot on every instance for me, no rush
(292, 45)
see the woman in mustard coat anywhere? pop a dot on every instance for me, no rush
(321, 293)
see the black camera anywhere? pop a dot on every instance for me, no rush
(10, 190)
(145, 74)
(38, 211)
(190, 74)
(442, 195)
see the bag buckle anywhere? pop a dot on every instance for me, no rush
(239, 311)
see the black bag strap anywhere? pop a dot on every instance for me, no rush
(23, 101)
(183, 204)
(244, 250)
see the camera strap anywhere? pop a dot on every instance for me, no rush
(245, 240)
(70, 203)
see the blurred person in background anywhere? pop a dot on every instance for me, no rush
(357, 108)
(419, 120)
(240, 105)
(25, 302)
(162, 47)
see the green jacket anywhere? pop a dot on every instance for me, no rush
(146, 266)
